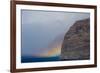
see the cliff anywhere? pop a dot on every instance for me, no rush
(76, 43)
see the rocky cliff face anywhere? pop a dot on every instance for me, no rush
(76, 43)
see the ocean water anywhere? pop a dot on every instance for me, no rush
(28, 59)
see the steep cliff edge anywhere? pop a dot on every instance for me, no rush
(76, 43)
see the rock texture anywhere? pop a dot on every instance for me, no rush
(76, 43)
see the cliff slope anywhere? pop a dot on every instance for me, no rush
(76, 43)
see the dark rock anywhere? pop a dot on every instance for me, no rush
(76, 43)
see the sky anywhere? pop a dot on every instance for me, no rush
(42, 32)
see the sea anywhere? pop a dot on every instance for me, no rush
(28, 59)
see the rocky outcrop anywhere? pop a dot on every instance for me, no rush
(76, 43)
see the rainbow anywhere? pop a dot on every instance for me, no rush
(55, 51)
